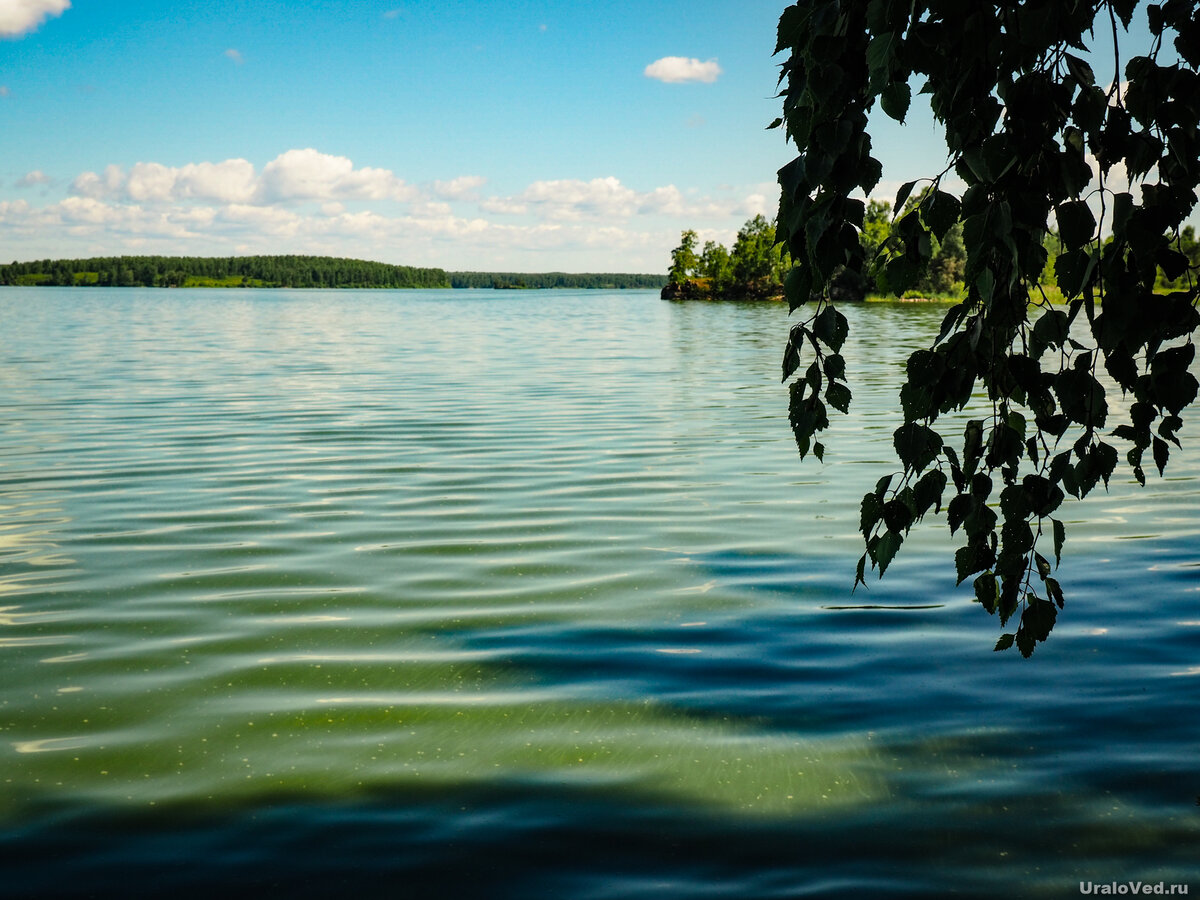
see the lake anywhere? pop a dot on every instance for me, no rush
(528, 594)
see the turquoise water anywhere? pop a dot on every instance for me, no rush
(528, 594)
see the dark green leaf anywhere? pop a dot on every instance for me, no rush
(1081, 397)
(791, 360)
(928, 491)
(987, 592)
(916, 445)
(940, 211)
(1025, 642)
(1161, 453)
(1038, 618)
(797, 287)
(880, 52)
(902, 196)
(1014, 502)
(897, 515)
(838, 396)
(968, 560)
(1055, 591)
(1050, 330)
(835, 367)
(1080, 71)
(1168, 427)
(870, 513)
(957, 511)
(885, 550)
(831, 327)
(1074, 271)
(1076, 224)
(895, 100)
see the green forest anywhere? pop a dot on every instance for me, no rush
(531, 280)
(753, 269)
(756, 266)
(287, 271)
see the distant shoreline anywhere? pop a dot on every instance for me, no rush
(266, 272)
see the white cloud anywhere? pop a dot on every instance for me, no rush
(4, 92)
(432, 209)
(296, 175)
(225, 182)
(760, 205)
(573, 199)
(431, 237)
(603, 199)
(89, 184)
(306, 201)
(264, 220)
(311, 175)
(681, 69)
(150, 182)
(504, 206)
(235, 55)
(29, 179)
(465, 187)
(19, 16)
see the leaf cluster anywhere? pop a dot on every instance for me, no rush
(1024, 119)
(755, 266)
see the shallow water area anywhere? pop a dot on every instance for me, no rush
(529, 594)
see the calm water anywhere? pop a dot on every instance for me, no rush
(527, 594)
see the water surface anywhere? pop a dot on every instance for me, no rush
(528, 594)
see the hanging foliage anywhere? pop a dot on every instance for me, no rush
(1029, 131)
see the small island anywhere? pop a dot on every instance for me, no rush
(754, 270)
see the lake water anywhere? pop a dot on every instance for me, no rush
(525, 594)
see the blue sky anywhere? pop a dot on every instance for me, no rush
(526, 136)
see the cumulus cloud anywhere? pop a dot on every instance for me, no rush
(465, 187)
(235, 55)
(296, 175)
(431, 235)
(19, 16)
(306, 201)
(29, 179)
(231, 181)
(311, 175)
(505, 206)
(89, 184)
(4, 90)
(681, 69)
(570, 200)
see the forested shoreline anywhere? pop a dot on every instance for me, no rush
(290, 272)
(756, 266)
(538, 280)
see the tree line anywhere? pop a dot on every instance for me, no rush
(754, 268)
(531, 280)
(288, 271)
(233, 271)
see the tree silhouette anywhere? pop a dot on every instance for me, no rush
(1029, 131)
